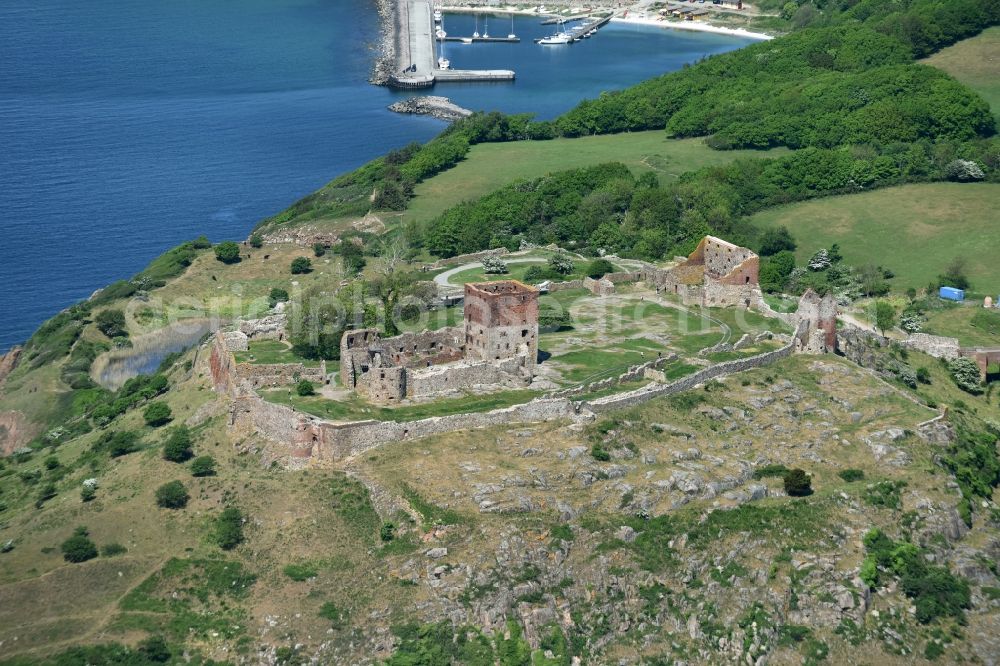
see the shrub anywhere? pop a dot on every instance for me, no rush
(494, 265)
(923, 375)
(228, 531)
(319, 249)
(157, 414)
(172, 495)
(599, 453)
(965, 373)
(155, 649)
(773, 241)
(964, 171)
(51, 463)
(111, 323)
(228, 252)
(79, 548)
(331, 612)
(112, 549)
(599, 268)
(88, 493)
(851, 475)
(305, 388)
(776, 469)
(277, 295)
(300, 572)
(118, 443)
(301, 265)
(561, 263)
(387, 532)
(203, 466)
(797, 483)
(45, 493)
(256, 241)
(177, 448)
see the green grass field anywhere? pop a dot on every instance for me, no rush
(976, 63)
(490, 166)
(914, 230)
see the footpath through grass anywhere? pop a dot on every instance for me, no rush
(914, 230)
(490, 166)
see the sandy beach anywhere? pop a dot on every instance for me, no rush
(697, 26)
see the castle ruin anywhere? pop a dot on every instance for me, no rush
(496, 346)
(717, 274)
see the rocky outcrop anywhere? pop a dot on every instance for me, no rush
(8, 362)
(441, 108)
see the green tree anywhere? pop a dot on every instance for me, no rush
(319, 249)
(797, 483)
(599, 268)
(172, 495)
(111, 323)
(203, 466)
(301, 265)
(773, 241)
(157, 414)
(885, 316)
(177, 448)
(228, 252)
(256, 241)
(305, 388)
(277, 295)
(79, 548)
(88, 493)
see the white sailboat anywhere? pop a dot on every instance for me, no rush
(561, 37)
(511, 35)
(486, 28)
(475, 34)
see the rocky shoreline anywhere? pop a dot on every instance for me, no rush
(441, 108)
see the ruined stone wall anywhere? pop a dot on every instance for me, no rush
(384, 385)
(236, 341)
(415, 350)
(355, 357)
(295, 434)
(467, 258)
(271, 327)
(624, 277)
(341, 440)
(600, 287)
(421, 383)
(647, 393)
(722, 259)
(565, 286)
(264, 375)
(933, 345)
(719, 294)
(222, 365)
(633, 373)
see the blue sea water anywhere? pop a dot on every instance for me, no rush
(128, 126)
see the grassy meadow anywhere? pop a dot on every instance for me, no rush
(976, 63)
(490, 166)
(914, 230)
